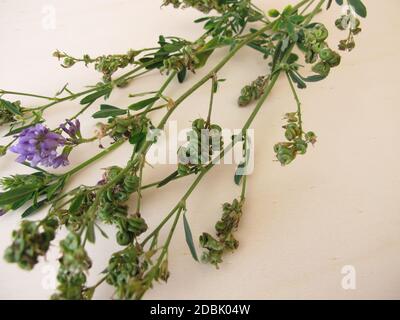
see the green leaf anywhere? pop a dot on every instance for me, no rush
(300, 83)
(143, 104)
(90, 233)
(11, 107)
(55, 188)
(168, 179)
(359, 7)
(76, 203)
(339, 2)
(34, 208)
(19, 203)
(189, 238)
(239, 173)
(103, 233)
(9, 197)
(96, 95)
(18, 130)
(108, 111)
(314, 78)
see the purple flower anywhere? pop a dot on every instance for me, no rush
(38, 145)
(73, 129)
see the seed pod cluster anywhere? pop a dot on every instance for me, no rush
(351, 23)
(113, 210)
(225, 241)
(30, 242)
(317, 50)
(204, 140)
(252, 92)
(122, 267)
(297, 141)
(74, 265)
(126, 127)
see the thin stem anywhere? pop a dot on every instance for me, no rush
(297, 101)
(213, 83)
(307, 6)
(139, 191)
(81, 111)
(314, 12)
(95, 158)
(2, 92)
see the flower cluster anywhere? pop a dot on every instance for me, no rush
(74, 264)
(38, 145)
(73, 130)
(30, 242)
(232, 212)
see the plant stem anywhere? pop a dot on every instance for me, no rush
(95, 158)
(297, 101)
(2, 92)
(213, 83)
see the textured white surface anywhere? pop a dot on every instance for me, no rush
(336, 206)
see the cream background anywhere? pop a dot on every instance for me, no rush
(336, 206)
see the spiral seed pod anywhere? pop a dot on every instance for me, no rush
(292, 131)
(109, 195)
(131, 184)
(320, 32)
(137, 226)
(121, 196)
(106, 212)
(335, 60)
(198, 124)
(326, 54)
(322, 68)
(124, 238)
(252, 92)
(284, 154)
(112, 172)
(300, 146)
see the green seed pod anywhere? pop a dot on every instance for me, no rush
(109, 196)
(292, 131)
(137, 225)
(285, 155)
(131, 184)
(112, 172)
(9, 255)
(317, 47)
(105, 213)
(300, 146)
(198, 124)
(124, 238)
(326, 54)
(68, 62)
(320, 32)
(122, 196)
(322, 68)
(311, 137)
(311, 56)
(335, 60)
